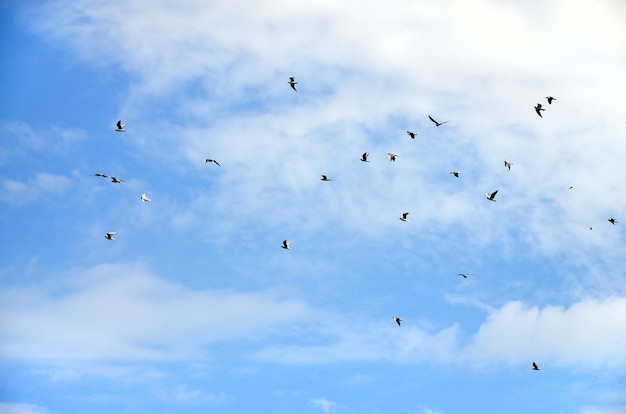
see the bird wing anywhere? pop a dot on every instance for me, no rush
(493, 195)
(119, 124)
(217, 163)
(431, 118)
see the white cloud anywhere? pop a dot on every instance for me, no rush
(15, 408)
(35, 188)
(325, 405)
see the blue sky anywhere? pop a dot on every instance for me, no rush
(195, 308)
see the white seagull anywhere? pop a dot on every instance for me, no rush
(455, 173)
(508, 165)
(109, 235)
(536, 367)
(120, 126)
(207, 160)
(324, 178)
(293, 83)
(492, 196)
(398, 320)
(392, 156)
(144, 197)
(117, 180)
(364, 157)
(403, 218)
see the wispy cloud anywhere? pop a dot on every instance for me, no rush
(33, 189)
(325, 405)
(16, 408)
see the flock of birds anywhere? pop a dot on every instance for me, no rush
(491, 196)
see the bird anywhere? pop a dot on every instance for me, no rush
(213, 161)
(465, 275)
(99, 175)
(109, 235)
(403, 218)
(507, 165)
(117, 180)
(364, 157)
(550, 99)
(325, 178)
(120, 126)
(411, 134)
(437, 123)
(492, 196)
(293, 83)
(538, 109)
(536, 367)
(455, 173)
(144, 197)
(392, 156)
(286, 245)
(398, 320)
(570, 187)
(613, 221)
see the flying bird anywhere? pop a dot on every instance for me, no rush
(538, 109)
(613, 221)
(293, 83)
(398, 320)
(285, 245)
(536, 367)
(364, 157)
(109, 235)
(465, 275)
(455, 173)
(411, 134)
(492, 196)
(437, 123)
(144, 197)
(117, 180)
(392, 156)
(99, 175)
(120, 126)
(507, 165)
(403, 218)
(325, 178)
(550, 99)
(213, 161)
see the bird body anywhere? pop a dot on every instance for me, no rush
(285, 245)
(325, 178)
(364, 157)
(99, 175)
(437, 123)
(403, 218)
(144, 197)
(411, 134)
(292, 82)
(613, 221)
(492, 196)
(550, 99)
(536, 367)
(207, 160)
(120, 126)
(117, 180)
(398, 320)
(392, 156)
(109, 235)
(508, 165)
(455, 173)
(538, 109)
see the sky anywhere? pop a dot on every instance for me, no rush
(196, 308)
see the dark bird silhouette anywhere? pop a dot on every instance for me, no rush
(507, 165)
(99, 175)
(398, 320)
(465, 275)
(538, 109)
(109, 235)
(536, 367)
(325, 178)
(285, 245)
(492, 196)
(364, 157)
(120, 126)
(437, 123)
(392, 156)
(293, 83)
(613, 221)
(213, 161)
(550, 99)
(117, 180)
(455, 173)
(411, 134)
(403, 218)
